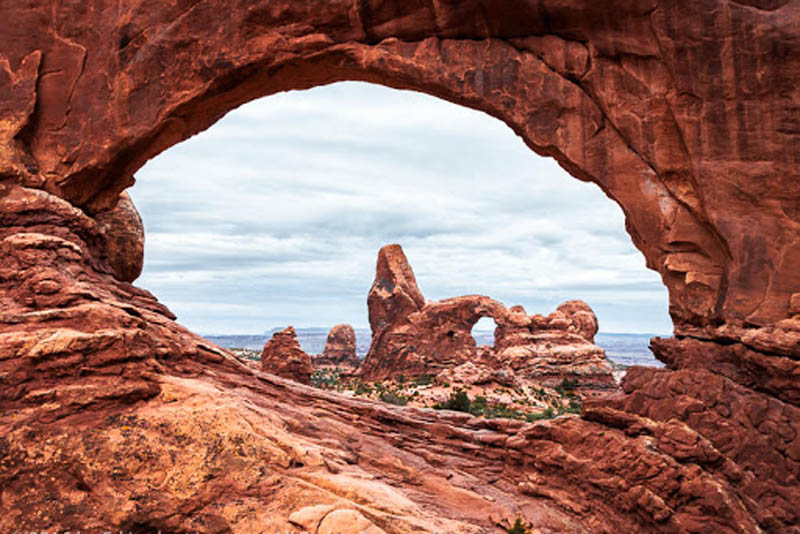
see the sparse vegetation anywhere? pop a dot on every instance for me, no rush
(459, 402)
(519, 527)
(567, 387)
(326, 379)
(549, 413)
(423, 380)
(247, 354)
(521, 405)
(392, 397)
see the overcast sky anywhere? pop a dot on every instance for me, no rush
(274, 216)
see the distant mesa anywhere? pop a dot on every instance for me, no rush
(340, 349)
(283, 356)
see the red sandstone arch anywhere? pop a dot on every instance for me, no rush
(684, 113)
(602, 94)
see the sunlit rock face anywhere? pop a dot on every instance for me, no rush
(685, 113)
(412, 337)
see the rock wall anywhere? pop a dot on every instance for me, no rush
(112, 416)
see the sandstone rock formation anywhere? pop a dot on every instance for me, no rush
(411, 337)
(547, 350)
(112, 416)
(124, 234)
(283, 356)
(340, 348)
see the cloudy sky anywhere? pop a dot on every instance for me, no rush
(274, 216)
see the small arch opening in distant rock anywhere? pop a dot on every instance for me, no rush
(483, 331)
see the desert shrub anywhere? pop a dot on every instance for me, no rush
(363, 389)
(394, 398)
(325, 379)
(519, 527)
(423, 380)
(567, 387)
(503, 411)
(479, 406)
(458, 401)
(574, 407)
(549, 413)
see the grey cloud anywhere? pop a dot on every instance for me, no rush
(274, 216)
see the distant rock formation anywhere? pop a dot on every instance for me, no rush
(547, 350)
(340, 348)
(412, 337)
(283, 356)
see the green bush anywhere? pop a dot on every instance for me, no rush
(567, 387)
(363, 389)
(325, 379)
(423, 380)
(458, 401)
(519, 527)
(394, 398)
(547, 414)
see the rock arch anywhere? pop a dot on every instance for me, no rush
(602, 94)
(684, 113)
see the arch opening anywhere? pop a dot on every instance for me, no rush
(296, 192)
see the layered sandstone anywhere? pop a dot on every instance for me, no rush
(283, 356)
(547, 350)
(340, 349)
(412, 337)
(112, 416)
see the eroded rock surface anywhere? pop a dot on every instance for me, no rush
(340, 349)
(412, 337)
(112, 416)
(283, 356)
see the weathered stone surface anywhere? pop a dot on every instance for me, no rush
(340, 348)
(283, 356)
(124, 233)
(112, 416)
(435, 338)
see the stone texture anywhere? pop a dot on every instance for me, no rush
(124, 233)
(283, 356)
(113, 417)
(340, 348)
